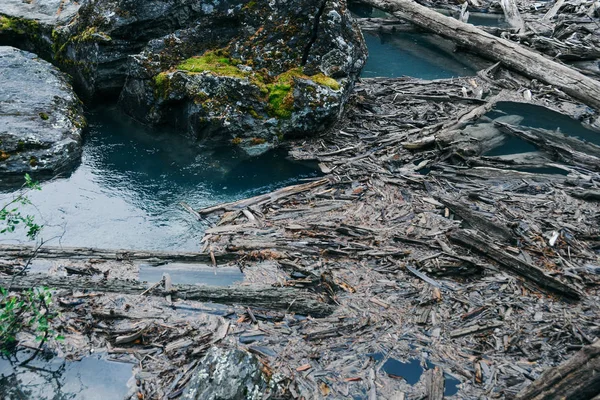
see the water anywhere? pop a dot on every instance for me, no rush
(408, 54)
(192, 274)
(541, 117)
(411, 371)
(127, 190)
(92, 378)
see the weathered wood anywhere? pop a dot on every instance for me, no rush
(434, 384)
(474, 241)
(512, 15)
(264, 198)
(281, 298)
(477, 221)
(512, 55)
(576, 379)
(82, 253)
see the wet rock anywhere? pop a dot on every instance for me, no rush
(92, 39)
(227, 374)
(283, 70)
(40, 118)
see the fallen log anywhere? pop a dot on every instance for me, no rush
(576, 378)
(476, 220)
(264, 198)
(473, 241)
(268, 297)
(84, 253)
(510, 54)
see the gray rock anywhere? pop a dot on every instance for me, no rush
(285, 69)
(226, 374)
(40, 118)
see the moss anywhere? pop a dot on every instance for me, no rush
(217, 62)
(250, 5)
(254, 114)
(326, 81)
(44, 116)
(4, 155)
(33, 161)
(19, 26)
(276, 91)
(20, 145)
(236, 141)
(256, 141)
(279, 100)
(161, 83)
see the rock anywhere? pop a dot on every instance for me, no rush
(41, 119)
(284, 69)
(93, 41)
(226, 375)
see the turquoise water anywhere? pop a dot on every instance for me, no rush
(410, 54)
(127, 190)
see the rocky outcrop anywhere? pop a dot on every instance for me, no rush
(40, 118)
(247, 71)
(227, 375)
(285, 70)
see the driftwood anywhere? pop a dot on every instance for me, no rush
(512, 55)
(267, 297)
(82, 253)
(264, 198)
(475, 242)
(576, 378)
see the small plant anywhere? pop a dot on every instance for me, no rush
(11, 217)
(29, 309)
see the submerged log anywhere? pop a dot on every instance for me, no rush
(281, 298)
(512, 55)
(576, 378)
(474, 241)
(83, 253)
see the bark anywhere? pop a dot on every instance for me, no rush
(510, 54)
(268, 297)
(576, 379)
(74, 253)
(474, 241)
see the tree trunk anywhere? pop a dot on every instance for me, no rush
(575, 379)
(510, 54)
(268, 297)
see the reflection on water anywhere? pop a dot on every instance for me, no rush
(411, 371)
(408, 54)
(126, 192)
(92, 378)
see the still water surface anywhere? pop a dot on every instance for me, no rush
(127, 190)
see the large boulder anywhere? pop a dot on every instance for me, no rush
(284, 68)
(247, 71)
(227, 375)
(41, 119)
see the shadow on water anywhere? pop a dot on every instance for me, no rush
(92, 378)
(126, 192)
(417, 55)
(411, 371)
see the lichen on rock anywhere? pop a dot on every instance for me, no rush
(273, 78)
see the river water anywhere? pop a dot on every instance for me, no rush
(127, 190)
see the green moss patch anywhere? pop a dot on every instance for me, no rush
(217, 62)
(277, 91)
